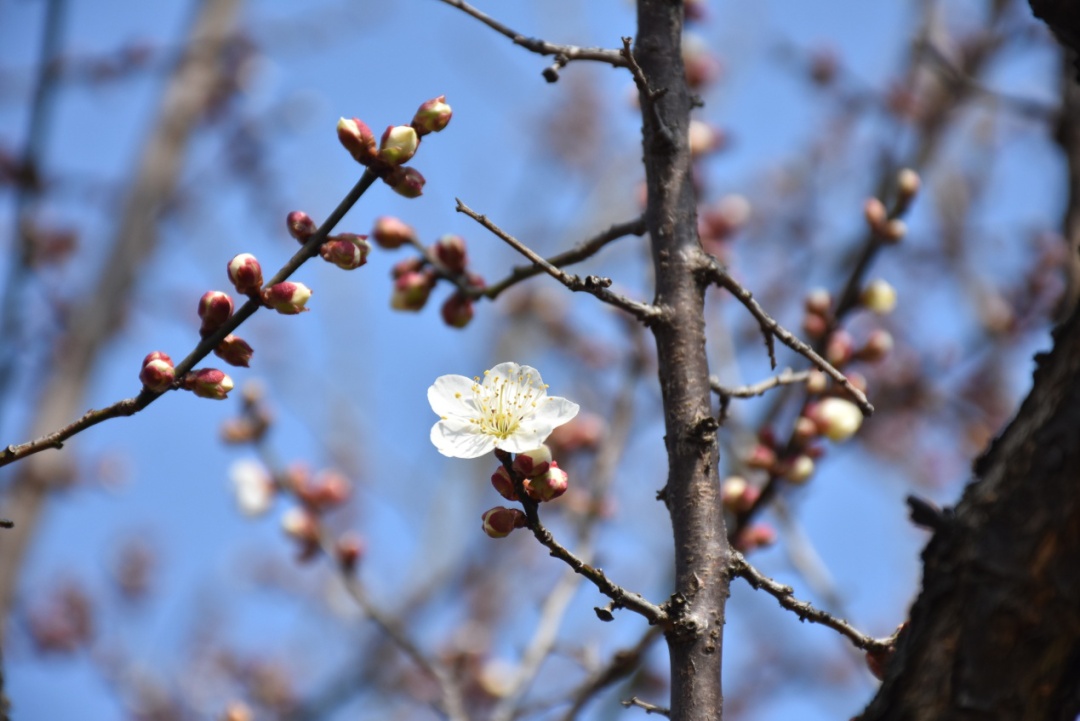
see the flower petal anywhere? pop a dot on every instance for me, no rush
(459, 438)
(452, 396)
(555, 411)
(527, 437)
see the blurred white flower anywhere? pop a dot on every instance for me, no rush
(509, 410)
(253, 487)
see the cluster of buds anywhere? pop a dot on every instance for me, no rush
(889, 228)
(157, 374)
(840, 348)
(414, 278)
(399, 143)
(794, 463)
(540, 478)
(216, 307)
(318, 494)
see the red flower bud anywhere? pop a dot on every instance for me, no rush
(157, 355)
(498, 522)
(502, 482)
(235, 351)
(399, 144)
(457, 311)
(533, 463)
(390, 232)
(157, 374)
(245, 273)
(349, 550)
(208, 383)
(411, 291)
(347, 251)
(287, 298)
(450, 251)
(432, 116)
(358, 139)
(405, 181)
(215, 308)
(548, 485)
(300, 225)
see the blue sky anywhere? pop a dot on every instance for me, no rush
(348, 379)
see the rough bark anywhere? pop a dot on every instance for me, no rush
(995, 632)
(692, 491)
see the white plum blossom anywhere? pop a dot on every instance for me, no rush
(509, 410)
(253, 487)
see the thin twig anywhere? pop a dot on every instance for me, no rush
(786, 377)
(565, 53)
(621, 665)
(131, 406)
(770, 328)
(650, 708)
(592, 284)
(622, 597)
(582, 251)
(803, 609)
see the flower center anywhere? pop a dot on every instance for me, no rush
(503, 405)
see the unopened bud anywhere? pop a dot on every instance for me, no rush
(347, 251)
(907, 186)
(245, 273)
(816, 382)
(457, 311)
(498, 522)
(407, 265)
(875, 214)
(238, 711)
(287, 298)
(894, 231)
(300, 225)
(215, 308)
(549, 485)
(800, 469)
(235, 351)
(737, 495)
(878, 345)
(358, 139)
(878, 296)
(815, 325)
(450, 251)
(349, 549)
(818, 301)
(405, 181)
(840, 348)
(837, 419)
(534, 462)
(704, 138)
(390, 232)
(762, 457)
(300, 524)
(502, 483)
(432, 116)
(411, 291)
(804, 430)
(756, 536)
(158, 374)
(207, 383)
(399, 144)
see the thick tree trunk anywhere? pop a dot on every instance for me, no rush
(693, 488)
(995, 633)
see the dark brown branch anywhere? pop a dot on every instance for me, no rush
(621, 665)
(565, 53)
(771, 328)
(592, 284)
(584, 250)
(803, 609)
